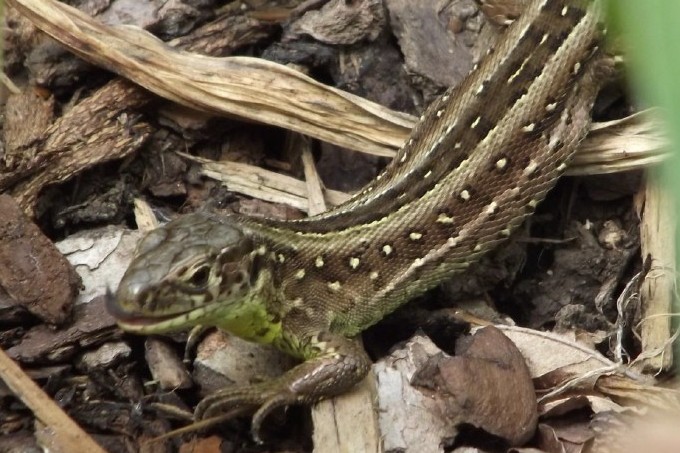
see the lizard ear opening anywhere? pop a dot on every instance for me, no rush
(238, 269)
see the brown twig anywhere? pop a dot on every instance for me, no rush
(66, 435)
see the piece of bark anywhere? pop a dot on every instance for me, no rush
(339, 22)
(32, 271)
(106, 356)
(98, 129)
(165, 366)
(50, 64)
(91, 325)
(27, 116)
(144, 218)
(224, 35)
(431, 48)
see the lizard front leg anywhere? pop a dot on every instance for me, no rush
(334, 364)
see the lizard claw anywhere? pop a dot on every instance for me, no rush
(264, 411)
(260, 398)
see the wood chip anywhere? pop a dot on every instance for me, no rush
(166, 366)
(32, 271)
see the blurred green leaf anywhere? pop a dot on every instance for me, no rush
(650, 30)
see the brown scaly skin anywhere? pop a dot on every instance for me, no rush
(475, 166)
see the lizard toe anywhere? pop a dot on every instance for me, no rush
(238, 400)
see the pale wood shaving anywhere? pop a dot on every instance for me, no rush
(349, 422)
(657, 242)
(317, 204)
(263, 184)
(629, 143)
(144, 217)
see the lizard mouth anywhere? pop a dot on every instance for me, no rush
(135, 321)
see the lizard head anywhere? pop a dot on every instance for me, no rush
(200, 269)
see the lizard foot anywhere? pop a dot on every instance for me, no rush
(261, 399)
(337, 365)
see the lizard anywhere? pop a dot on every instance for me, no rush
(481, 158)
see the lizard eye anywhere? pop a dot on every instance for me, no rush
(200, 277)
